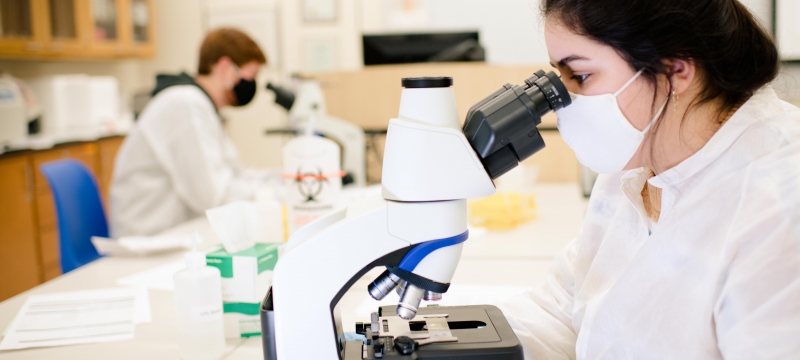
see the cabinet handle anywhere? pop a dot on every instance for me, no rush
(28, 183)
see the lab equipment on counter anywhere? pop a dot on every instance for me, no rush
(503, 210)
(246, 276)
(272, 227)
(245, 265)
(77, 103)
(417, 230)
(512, 205)
(311, 179)
(198, 308)
(19, 110)
(308, 104)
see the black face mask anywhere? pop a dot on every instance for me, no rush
(244, 91)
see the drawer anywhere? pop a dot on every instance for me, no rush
(48, 243)
(46, 211)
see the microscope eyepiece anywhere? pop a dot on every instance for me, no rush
(502, 127)
(283, 97)
(427, 82)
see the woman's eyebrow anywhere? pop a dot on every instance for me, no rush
(566, 60)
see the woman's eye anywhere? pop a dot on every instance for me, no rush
(580, 78)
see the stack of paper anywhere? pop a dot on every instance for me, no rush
(141, 245)
(77, 317)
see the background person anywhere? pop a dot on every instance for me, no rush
(177, 161)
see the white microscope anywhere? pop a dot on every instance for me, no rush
(416, 230)
(308, 103)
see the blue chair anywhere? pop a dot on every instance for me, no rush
(78, 209)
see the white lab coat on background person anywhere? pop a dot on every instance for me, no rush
(717, 277)
(176, 163)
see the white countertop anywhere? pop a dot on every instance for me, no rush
(47, 141)
(492, 264)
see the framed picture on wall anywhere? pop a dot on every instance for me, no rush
(787, 28)
(319, 10)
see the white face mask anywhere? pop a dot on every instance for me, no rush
(596, 129)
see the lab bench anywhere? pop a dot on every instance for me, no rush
(492, 262)
(29, 252)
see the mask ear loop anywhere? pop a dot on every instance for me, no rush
(661, 110)
(238, 72)
(635, 76)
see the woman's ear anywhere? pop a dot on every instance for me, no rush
(683, 73)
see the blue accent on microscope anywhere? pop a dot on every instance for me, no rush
(419, 252)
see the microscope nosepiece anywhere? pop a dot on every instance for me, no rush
(409, 302)
(383, 285)
(432, 296)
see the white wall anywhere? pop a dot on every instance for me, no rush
(510, 30)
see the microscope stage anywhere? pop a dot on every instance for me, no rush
(482, 331)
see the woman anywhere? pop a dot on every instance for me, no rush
(691, 243)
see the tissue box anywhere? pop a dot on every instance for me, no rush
(246, 277)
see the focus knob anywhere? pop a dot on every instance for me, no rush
(405, 345)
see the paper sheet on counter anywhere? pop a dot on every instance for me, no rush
(157, 278)
(141, 245)
(78, 317)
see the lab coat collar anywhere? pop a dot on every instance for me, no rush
(762, 105)
(632, 185)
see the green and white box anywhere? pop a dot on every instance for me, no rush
(246, 277)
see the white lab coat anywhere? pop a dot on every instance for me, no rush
(718, 277)
(176, 163)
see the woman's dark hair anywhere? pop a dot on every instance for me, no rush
(733, 51)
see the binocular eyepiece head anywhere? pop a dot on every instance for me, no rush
(502, 127)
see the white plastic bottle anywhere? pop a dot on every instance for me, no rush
(271, 222)
(198, 308)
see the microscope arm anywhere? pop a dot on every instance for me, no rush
(317, 270)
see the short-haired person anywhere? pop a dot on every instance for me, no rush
(177, 161)
(690, 248)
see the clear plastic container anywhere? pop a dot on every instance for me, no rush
(198, 309)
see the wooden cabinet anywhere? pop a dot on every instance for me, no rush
(21, 30)
(76, 29)
(29, 248)
(107, 151)
(19, 268)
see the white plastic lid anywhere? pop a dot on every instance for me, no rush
(195, 259)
